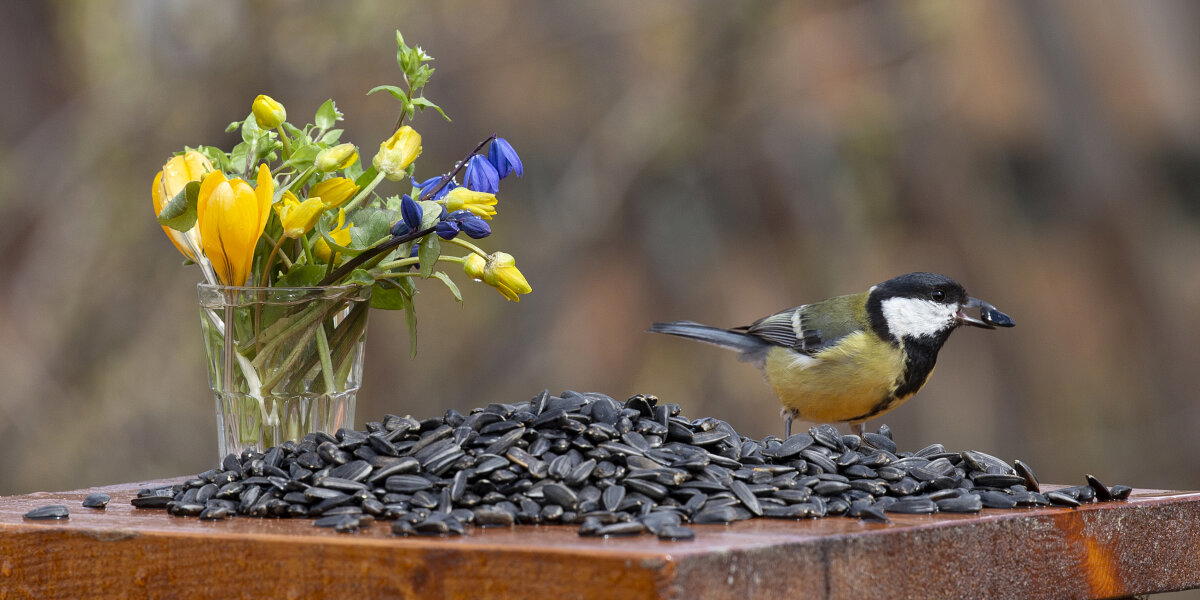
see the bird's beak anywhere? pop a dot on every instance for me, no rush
(989, 317)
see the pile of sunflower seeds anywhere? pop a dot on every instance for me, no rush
(611, 468)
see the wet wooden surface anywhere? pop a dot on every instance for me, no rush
(1144, 545)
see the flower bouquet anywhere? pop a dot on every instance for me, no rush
(296, 244)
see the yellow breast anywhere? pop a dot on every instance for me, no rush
(846, 382)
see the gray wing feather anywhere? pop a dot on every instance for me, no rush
(806, 334)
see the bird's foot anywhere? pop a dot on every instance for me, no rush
(788, 416)
(857, 429)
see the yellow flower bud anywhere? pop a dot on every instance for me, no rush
(268, 113)
(397, 152)
(335, 191)
(230, 216)
(338, 157)
(297, 217)
(481, 204)
(176, 173)
(340, 234)
(501, 273)
(474, 266)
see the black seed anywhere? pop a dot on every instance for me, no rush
(1120, 492)
(967, 503)
(46, 513)
(998, 480)
(98, 500)
(406, 484)
(1102, 492)
(625, 528)
(993, 499)
(676, 533)
(1025, 472)
(747, 498)
(1061, 499)
(561, 495)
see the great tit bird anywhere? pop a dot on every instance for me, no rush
(851, 358)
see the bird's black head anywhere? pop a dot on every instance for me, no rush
(926, 307)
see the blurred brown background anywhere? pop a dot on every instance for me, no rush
(713, 161)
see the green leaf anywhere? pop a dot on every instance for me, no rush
(326, 224)
(302, 156)
(180, 213)
(250, 130)
(453, 287)
(360, 277)
(367, 176)
(370, 225)
(302, 276)
(237, 157)
(402, 50)
(297, 136)
(355, 171)
(422, 104)
(232, 127)
(431, 248)
(331, 137)
(386, 296)
(327, 115)
(216, 156)
(420, 77)
(396, 92)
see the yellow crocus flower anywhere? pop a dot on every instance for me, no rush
(501, 273)
(340, 234)
(335, 158)
(480, 203)
(397, 152)
(268, 113)
(298, 218)
(176, 173)
(230, 216)
(335, 191)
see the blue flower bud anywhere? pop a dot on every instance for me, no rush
(416, 249)
(459, 215)
(475, 227)
(447, 229)
(502, 156)
(399, 229)
(411, 211)
(481, 175)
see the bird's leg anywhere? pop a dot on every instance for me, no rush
(787, 414)
(857, 429)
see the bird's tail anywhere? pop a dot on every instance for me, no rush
(751, 347)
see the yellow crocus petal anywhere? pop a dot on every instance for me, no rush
(340, 234)
(297, 217)
(268, 112)
(480, 204)
(397, 152)
(176, 237)
(501, 273)
(229, 220)
(335, 191)
(265, 192)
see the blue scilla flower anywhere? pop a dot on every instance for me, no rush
(416, 249)
(468, 223)
(411, 211)
(431, 183)
(502, 156)
(481, 175)
(399, 229)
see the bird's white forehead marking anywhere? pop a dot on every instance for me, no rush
(914, 317)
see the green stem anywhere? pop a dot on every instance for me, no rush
(468, 246)
(326, 362)
(287, 143)
(364, 192)
(308, 253)
(300, 181)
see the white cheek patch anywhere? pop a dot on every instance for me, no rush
(914, 317)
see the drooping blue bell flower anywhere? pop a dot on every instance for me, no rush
(481, 175)
(502, 156)
(447, 230)
(467, 222)
(399, 229)
(432, 183)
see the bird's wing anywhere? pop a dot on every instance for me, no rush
(809, 328)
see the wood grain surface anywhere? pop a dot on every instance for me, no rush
(1110, 550)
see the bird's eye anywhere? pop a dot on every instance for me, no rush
(938, 295)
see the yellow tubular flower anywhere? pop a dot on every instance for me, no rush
(501, 273)
(335, 191)
(190, 166)
(230, 216)
(268, 113)
(335, 158)
(298, 218)
(474, 266)
(397, 152)
(482, 204)
(340, 234)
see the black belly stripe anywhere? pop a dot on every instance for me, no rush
(920, 357)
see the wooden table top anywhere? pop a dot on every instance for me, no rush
(1146, 544)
